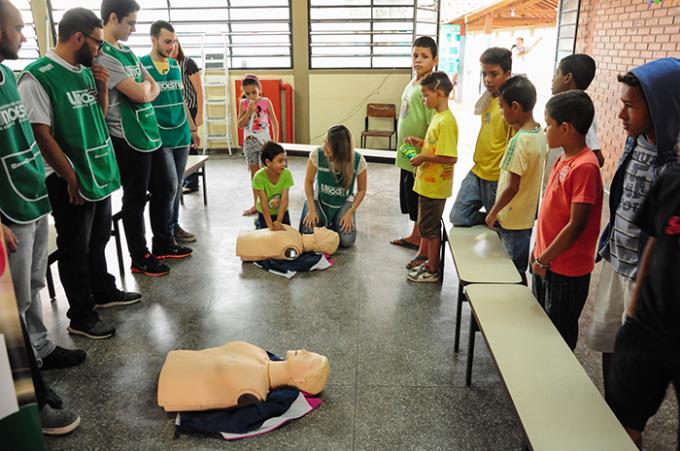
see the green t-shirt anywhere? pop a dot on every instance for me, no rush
(273, 192)
(413, 120)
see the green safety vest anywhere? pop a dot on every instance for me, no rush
(138, 120)
(22, 172)
(79, 126)
(332, 194)
(169, 105)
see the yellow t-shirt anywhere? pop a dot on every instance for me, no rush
(435, 180)
(525, 156)
(491, 142)
(162, 66)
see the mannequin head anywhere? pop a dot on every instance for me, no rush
(308, 371)
(323, 240)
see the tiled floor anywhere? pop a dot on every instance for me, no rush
(395, 382)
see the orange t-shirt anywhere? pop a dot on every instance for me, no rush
(573, 180)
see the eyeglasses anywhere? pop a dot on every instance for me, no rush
(99, 42)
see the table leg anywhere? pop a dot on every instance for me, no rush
(442, 252)
(205, 186)
(50, 284)
(471, 351)
(459, 311)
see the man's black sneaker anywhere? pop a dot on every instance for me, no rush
(95, 331)
(174, 250)
(118, 298)
(63, 358)
(149, 266)
(58, 421)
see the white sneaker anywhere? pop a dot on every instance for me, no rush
(423, 274)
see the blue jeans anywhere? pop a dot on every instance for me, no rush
(474, 194)
(346, 239)
(516, 244)
(178, 164)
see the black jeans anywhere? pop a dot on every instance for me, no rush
(643, 366)
(191, 182)
(82, 234)
(141, 172)
(563, 298)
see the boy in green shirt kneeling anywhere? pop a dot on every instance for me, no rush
(271, 184)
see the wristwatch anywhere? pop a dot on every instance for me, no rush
(539, 264)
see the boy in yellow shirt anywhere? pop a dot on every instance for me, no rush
(434, 171)
(519, 185)
(478, 189)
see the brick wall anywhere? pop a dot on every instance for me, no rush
(619, 35)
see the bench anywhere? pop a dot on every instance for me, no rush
(479, 257)
(372, 155)
(195, 164)
(556, 402)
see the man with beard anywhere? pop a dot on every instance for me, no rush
(177, 128)
(24, 206)
(65, 95)
(144, 165)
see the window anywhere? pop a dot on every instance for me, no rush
(566, 28)
(252, 35)
(29, 51)
(368, 33)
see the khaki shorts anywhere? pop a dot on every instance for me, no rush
(611, 300)
(430, 216)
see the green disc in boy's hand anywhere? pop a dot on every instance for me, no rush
(408, 151)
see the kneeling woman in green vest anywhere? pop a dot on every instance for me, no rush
(335, 166)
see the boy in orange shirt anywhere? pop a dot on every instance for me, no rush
(569, 218)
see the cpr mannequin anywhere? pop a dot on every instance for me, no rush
(288, 244)
(234, 374)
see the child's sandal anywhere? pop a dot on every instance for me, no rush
(419, 260)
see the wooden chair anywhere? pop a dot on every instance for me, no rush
(383, 110)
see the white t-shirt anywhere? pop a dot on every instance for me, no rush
(553, 154)
(37, 103)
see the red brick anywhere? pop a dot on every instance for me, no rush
(662, 38)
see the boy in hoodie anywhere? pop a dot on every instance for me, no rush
(647, 351)
(651, 117)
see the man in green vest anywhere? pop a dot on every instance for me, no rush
(178, 131)
(65, 95)
(144, 166)
(24, 206)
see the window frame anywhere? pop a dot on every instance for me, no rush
(215, 48)
(371, 32)
(559, 54)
